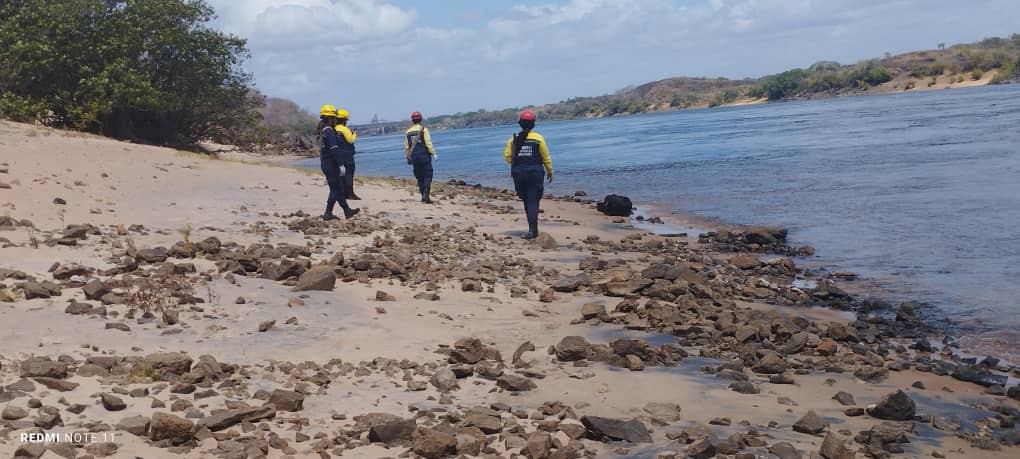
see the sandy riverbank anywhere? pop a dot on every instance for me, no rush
(671, 324)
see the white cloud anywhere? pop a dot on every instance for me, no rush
(380, 55)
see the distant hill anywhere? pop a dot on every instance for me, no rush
(990, 61)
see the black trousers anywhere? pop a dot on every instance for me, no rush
(349, 179)
(423, 173)
(337, 190)
(530, 187)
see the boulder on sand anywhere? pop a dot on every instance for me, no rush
(615, 205)
(165, 426)
(633, 431)
(897, 406)
(316, 278)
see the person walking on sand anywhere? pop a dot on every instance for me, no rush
(420, 153)
(347, 136)
(528, 156)
(331, 159)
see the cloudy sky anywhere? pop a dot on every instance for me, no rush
(391, 57)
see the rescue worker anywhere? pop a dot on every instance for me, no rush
(528, 156)
(420, 153)
(331, 159)
(347, 147)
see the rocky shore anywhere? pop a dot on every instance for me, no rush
(160, 304)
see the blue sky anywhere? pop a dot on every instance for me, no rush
(392, 57)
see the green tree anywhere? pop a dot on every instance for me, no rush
(149, 70)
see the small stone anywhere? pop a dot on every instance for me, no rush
(112, 402)
(285, 400)
(811, 423)
(844, 398)
(897, 406)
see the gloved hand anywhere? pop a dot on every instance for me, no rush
(435, 157)
(343, 171)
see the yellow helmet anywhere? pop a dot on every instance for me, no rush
(341, 113)
(327, 110)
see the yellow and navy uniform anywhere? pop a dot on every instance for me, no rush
(533, 151)
(345, 144)
(424, 145)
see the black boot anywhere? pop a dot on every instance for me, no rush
(348, 212)
(329, 216)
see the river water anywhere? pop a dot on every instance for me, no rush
(917, 192)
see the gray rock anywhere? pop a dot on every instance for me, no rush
(663, 412)
(770, 363)
(844, 398)
(112, 402)
(572, 283)
(444, 379)
(515, 383)
(229, 418)
(392, 432)
(538, 446)
(95, 289)
(76, 308)
(433, 444)
(43, 367)
(282, 269)
(811, 423)
(136, 425)
(701, 449)
(836, 446)
(979, 375)
(592, 310)
(316, 278)
(488, 424)
(897, 406)
(153, 255)
(571, 348)
(633, 431)
(744, 387)
(784, 450)
(167, 362)
(165, 426)
(286, 400)
(59, 385)
(13, 413)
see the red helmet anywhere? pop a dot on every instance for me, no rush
(415, 116)
(527, 115)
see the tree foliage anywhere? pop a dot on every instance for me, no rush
(822, 77)
(149, 70)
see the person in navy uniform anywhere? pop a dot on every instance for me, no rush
(420, 153)
(528, 156)
(331, 159)
(347, 136)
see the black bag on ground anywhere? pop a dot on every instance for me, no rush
(616, 206)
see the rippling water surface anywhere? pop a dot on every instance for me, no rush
(918, 192)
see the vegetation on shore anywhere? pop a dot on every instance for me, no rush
(906, 71)
(152, 71)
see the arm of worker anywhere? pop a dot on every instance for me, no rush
(507, 152)
(331, 144)
(427, 138)
(345, 131)
(546, 160)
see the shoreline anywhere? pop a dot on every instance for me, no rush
(436, 332)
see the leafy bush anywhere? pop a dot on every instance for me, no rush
(149, 70)
(977, 74)
(927, 70)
